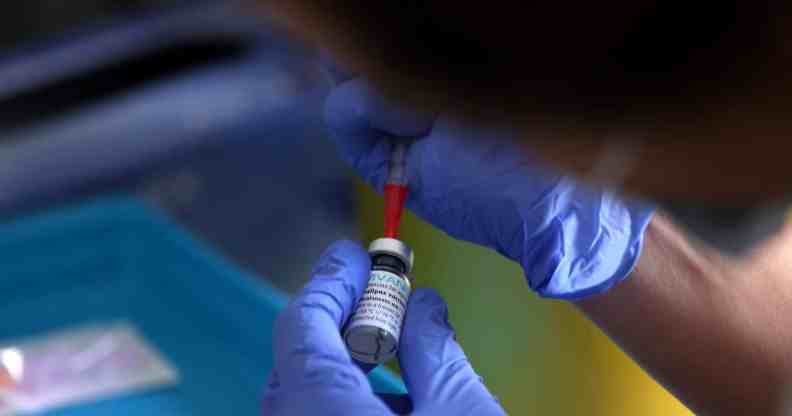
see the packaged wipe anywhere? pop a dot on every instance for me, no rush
(77, 365)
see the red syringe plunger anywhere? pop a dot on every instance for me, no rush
(396, 188)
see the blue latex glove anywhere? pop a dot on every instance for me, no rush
(476, 185)
(314, 375)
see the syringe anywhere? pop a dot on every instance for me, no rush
(396, 188)
(373, 331)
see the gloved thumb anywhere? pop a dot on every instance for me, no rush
(307, 334)
(435, 369)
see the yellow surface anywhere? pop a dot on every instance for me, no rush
(537, 356)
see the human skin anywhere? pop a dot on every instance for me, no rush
(713, 330)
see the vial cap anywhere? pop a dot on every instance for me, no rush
(393, 247)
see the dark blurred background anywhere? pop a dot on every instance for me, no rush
(195, 106)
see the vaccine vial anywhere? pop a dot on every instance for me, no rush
(372, 334)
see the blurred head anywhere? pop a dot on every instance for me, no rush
(676, 100)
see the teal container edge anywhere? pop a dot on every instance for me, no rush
(118, 258)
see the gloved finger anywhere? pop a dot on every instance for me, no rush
(360, 121)
(308, 348)
(435, 369)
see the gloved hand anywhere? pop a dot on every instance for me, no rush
(476, 185)
(314, 374)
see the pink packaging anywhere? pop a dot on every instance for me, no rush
(76, 365)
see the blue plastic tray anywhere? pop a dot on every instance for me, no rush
(119, 259)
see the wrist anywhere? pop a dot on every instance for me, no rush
(589, 254)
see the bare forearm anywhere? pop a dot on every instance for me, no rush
(713, 331)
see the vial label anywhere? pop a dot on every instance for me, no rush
(383, 303)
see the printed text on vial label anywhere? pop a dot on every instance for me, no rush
(383, 303)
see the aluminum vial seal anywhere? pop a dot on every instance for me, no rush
(395, 248)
